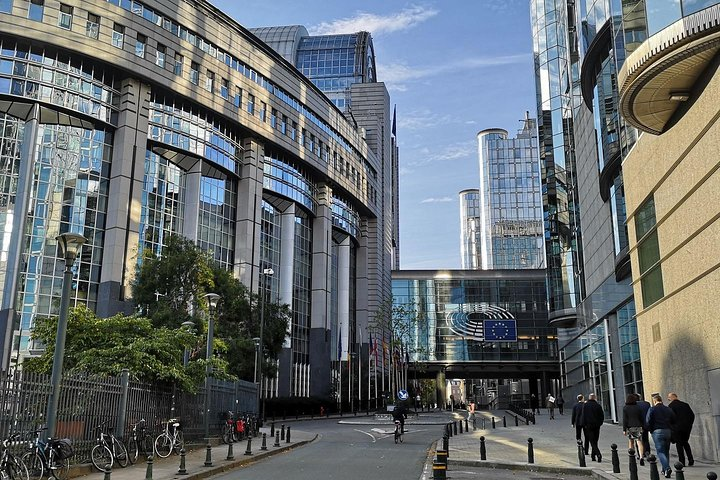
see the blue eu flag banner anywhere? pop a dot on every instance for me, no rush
(500, 330)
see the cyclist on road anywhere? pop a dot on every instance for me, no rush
(400, 414)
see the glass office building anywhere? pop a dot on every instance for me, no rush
(204, 132)
(510, 216)
(470, 229)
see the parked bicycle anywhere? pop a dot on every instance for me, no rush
(12, 467)
(140, 442)
(51, 458)
(170, 440)
(228, 434)
(108, 450)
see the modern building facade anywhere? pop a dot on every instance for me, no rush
(128, 122)
(511, 229)
(668, 89)
(470, 229)
(579, 48)
(475, 324)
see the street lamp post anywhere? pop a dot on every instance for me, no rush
(256, 340)
(186, 352)
(212, 299)
(267, 272)
(70, 244)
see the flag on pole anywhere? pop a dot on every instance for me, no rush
(339, 355)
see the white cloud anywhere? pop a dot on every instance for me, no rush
(398, 73)
(375, 24)
(425, 156)
(438, 200)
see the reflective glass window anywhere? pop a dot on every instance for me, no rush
(118, 35)
(160, 53)
(661, 13)
(140, 45)
(35, 10)
(92, 27)
(6, 6)
(65, 16)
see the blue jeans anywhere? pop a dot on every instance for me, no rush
(661, 438)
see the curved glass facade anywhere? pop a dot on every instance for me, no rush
(345, 217)
(470, 229)
(216, 220)
(283, 177)
(11, 134)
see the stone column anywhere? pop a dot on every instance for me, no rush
(191, 219)
(344, 296)
(288, 372)
(440, 390)
(249, 215)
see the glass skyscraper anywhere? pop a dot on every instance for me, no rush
(470, 229)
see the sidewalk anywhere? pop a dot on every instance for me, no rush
(167, 468)
(554, 445)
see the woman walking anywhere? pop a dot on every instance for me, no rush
(633, 422)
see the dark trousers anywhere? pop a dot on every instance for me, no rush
(592, 435)
(560, 409)
(683, 447)
(646, 442)
(579, 436)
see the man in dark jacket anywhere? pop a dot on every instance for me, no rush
(660, 421)
(684, 419)
(644, 406)
(593, 416)
(576, 421)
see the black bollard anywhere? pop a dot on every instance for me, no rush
(614, 458)
(264, 444)
(282, 432)
(455, 427)
(632, 465)
(208, 455)
(272, 429)
(483, 424)
(182, 470)
(277, 439)
(531, 452)
(504, 421)
(231, 455)
(108, 472)
(711, 476)
(287, 437)
(461, 427)
(467, 426)
(439, 471)
(442, 457)
(679, 474)
(148, 470)
(493, 422)
(581, 454)
(446, 443)
(248, 450)
(483, 452)
(654, 474)
(516, 420)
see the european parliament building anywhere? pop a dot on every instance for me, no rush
(129, 121)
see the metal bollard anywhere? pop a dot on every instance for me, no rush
(654, 474)
(446, 443)
(531, 452)
(455, 427)
(581, 454)
(148, 470)
(439, 471)
(614, 458)
(208, 455)
(277, 439)
(182, 470)
(679, 474)
(711, 476)
(107, 471)
(230, 454)
(516, 421)
(272, 429)
(504, 421)
(287, 436)
(467, 426)
(461, 427)
(632, 465)
(248, 450)
(483, 452)
(282, 432)
(264, 444)
(442, 457)
(483, 424)
(493, 422)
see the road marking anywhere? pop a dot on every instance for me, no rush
(368, 434)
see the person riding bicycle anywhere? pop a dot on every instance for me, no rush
(400, 411)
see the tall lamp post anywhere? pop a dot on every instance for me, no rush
(70, 245)
(267, 272)
(212, 299)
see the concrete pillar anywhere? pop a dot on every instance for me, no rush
(320, 347)
(344, 296)
(287, 375)
(440, 389)
(191, 219)
(122, 230)
(249, 215)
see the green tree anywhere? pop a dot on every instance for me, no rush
(104, 346)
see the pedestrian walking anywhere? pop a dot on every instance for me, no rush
(660, 420)
(633, 423)
(534, 404)
(684, 419)
(550, 405)
(644, 406)
(593, 417)
(560, 402)
(471, 412)
(576, 420)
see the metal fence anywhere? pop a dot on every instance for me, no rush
(87, 402)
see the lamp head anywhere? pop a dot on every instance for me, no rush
(212, 299)
(70, 244)
(257, 341)
(188, 324)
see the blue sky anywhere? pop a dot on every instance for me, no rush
(453, 68)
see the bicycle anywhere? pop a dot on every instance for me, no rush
(52, 456)
(107, 450)
(12, 467)
(170, 440)
(140, 441)
(228, 430)
(398, 432)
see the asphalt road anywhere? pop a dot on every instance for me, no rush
(347, 452)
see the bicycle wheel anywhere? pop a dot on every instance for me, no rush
(60, 469)
(101, 456)
(227, 434)
(397, 434)
(34, 463)
(133, 450)
(16, 469)
(146, 446)
(120, 452)
(179, 442)
(163, 445)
